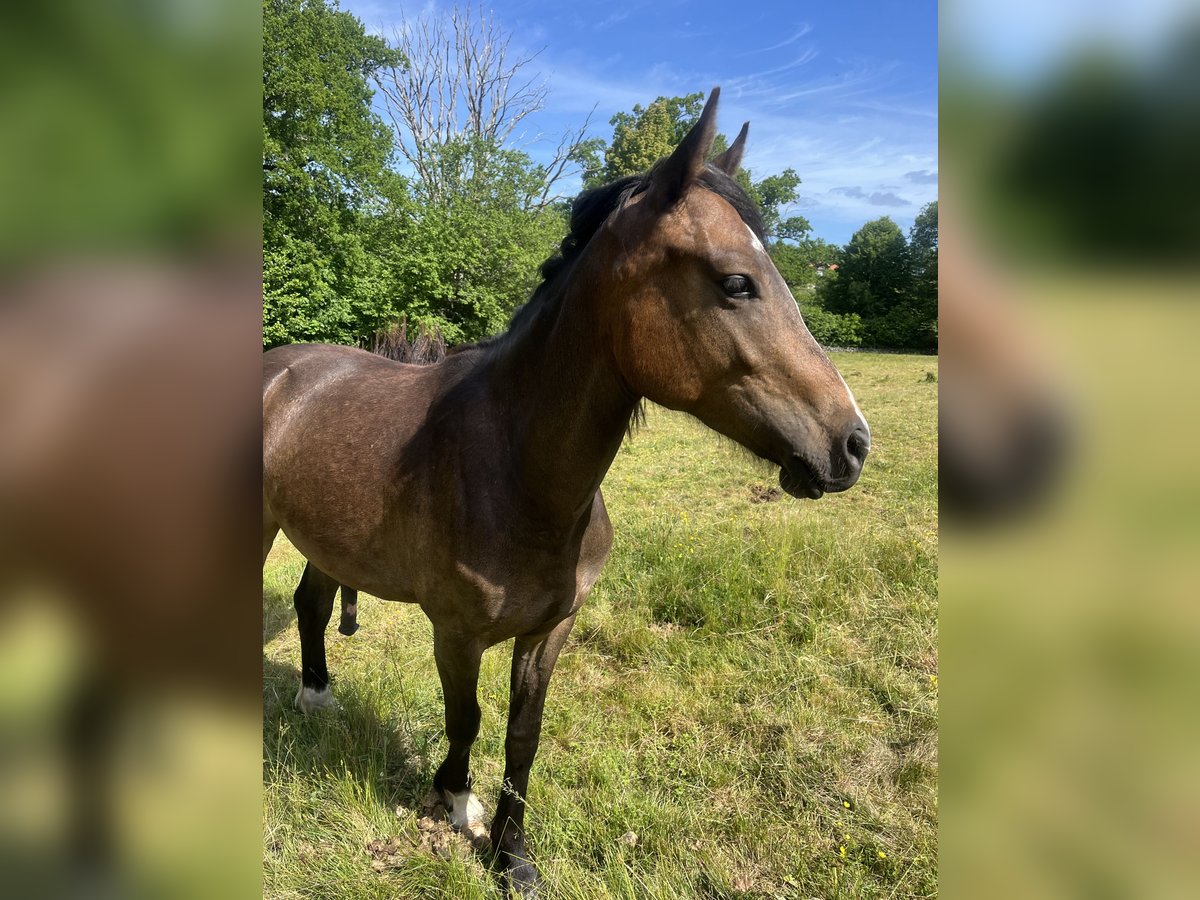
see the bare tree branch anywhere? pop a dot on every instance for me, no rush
(566, 161)
(463, 82)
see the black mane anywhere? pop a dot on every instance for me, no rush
(589, 211)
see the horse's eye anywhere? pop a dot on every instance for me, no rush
(737, 286)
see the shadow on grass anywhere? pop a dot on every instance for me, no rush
(392, 766)
(278, 613)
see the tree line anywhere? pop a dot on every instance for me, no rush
(350, 244)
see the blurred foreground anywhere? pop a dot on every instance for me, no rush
(130, 286)
(1069, 626)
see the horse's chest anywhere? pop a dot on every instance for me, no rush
(516, 592)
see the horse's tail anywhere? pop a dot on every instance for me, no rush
(426, 346)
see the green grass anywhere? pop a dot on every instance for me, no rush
(751, 690)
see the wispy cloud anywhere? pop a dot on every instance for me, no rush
(806, 57)
(922, 176)
(897, 108)
(853, 81)
(614, 18)
(804, 29)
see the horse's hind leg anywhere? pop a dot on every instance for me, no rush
(314, 607)
(349, 621)
(458, 666)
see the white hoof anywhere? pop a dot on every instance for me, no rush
(464, 810)
(309, 700)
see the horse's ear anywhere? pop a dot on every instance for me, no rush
(729, 161)
(670, 177)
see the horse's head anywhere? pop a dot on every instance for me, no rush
(703, 322)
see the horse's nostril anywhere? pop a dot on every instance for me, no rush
(858, 442)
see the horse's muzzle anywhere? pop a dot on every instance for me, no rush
(798, 481)
(805, 481)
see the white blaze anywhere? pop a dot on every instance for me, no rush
(850, 394)
(754, 239)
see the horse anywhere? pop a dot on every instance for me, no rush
(474, 487)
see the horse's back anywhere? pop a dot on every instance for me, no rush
(317, 385)
(301, 368)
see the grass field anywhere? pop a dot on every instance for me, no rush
(751, 691)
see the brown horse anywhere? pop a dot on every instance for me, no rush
(475, 489)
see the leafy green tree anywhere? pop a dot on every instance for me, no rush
(831, 329)
(464, 262)
(878, 281)
(797, 262)
(794, 229)
(923, 249)
(644, 136)
(325, 161)
(770, 194)
(875, 274)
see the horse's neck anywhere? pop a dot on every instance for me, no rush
(568, 409)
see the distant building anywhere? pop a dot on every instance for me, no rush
(821, 267)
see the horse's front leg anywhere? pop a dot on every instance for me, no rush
(458, 666)
(532, 665)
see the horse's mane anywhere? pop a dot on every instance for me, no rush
(424, 348)
(589, 211)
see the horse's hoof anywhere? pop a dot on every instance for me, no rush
(518, 874)
(347, 628)
(310, 700)
(524, 881)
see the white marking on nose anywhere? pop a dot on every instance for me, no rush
(754, 239)
(850, 394)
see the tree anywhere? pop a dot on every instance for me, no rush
(923, 249)
(463, 264)
(325, 161)
(647, 134)
(462, 87)
(482, 215)
(874, 276)
(770, 194)
(878, 281)
(797, 262)
(830, 329)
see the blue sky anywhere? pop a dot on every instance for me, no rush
(1020, 42)
(845, 93)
